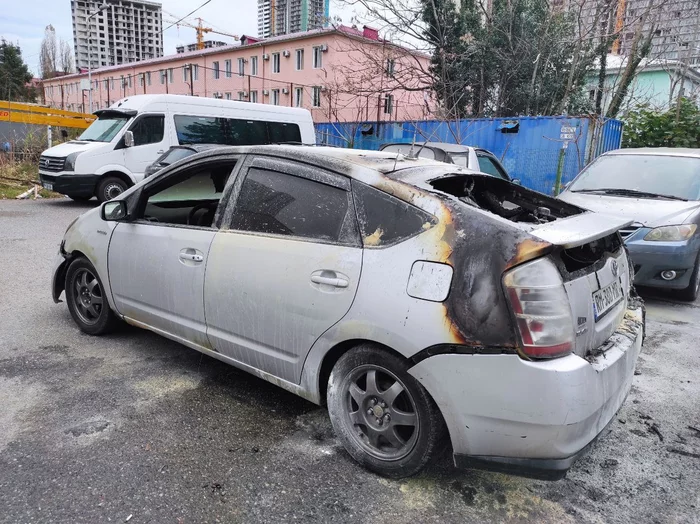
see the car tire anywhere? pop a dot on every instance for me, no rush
(80, 198)
(690, 293)
(86, 299)
(110, 187)
(369, 384)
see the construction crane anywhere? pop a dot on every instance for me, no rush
(200, 28)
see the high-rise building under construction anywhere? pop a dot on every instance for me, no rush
(281, 17)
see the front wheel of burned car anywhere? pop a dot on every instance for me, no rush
(86, 299)
(383, 416)
(690, 293)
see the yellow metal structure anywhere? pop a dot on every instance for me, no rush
(39, 115)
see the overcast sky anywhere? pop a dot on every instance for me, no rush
(24, 22)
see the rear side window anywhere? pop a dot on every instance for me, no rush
(281, 204)
(176, 154)
(386, 220)
(233, 131)
(148, 130)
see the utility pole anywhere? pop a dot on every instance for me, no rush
(101, 8)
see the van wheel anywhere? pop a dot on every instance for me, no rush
(111, 187)
(383, 416)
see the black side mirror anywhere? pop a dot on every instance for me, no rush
(114, 211)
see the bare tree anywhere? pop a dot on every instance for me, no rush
(49, 53)
(66, 58)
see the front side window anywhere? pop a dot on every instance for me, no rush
(148, 130)
(104, 129)
(299, 59)
(488, 166)
(275, 62)
(187, 200)
(641, 176)
(386, 220)
(254, 65)
(280, 204)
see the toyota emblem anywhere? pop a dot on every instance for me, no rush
(614, 267)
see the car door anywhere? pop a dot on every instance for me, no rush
(156, 263)
(150, 141)
(284, 267)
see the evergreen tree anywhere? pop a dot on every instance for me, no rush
(14, 75)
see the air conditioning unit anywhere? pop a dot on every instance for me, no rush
(285, 90)
(266, 56)
(218, 95)
(244, 94)
(323, 88)
(266, 92)
(324, 47)
(285, 53)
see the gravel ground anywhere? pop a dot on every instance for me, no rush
(133, 425)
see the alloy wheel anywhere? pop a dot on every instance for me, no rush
(87, 295)
(380, 413)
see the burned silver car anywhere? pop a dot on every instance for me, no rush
(415, 298)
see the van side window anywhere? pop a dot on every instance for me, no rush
(386, 220)
(148, 130)
(232, 131)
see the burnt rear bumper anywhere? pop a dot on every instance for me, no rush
(532, 418)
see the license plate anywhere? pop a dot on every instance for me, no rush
(607, 298)
(48, 186)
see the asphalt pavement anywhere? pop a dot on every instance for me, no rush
(135, 428)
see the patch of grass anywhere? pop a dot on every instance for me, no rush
(17, 177)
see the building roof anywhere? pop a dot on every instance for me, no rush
(343, 30)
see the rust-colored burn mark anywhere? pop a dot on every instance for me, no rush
(526, 250)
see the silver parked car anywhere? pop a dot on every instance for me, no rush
(659, 190)
(411, 295)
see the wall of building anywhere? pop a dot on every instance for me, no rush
(650, 88)
(333, 91)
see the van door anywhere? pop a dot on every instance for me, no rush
(150, 141)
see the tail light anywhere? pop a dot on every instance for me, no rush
(541, 308)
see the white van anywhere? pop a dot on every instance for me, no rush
(112, 154)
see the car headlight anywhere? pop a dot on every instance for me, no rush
(69, 165)
(671, 233)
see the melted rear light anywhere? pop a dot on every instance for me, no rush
(541, 308)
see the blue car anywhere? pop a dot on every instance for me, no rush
(659, 189)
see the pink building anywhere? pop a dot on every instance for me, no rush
(340, 74)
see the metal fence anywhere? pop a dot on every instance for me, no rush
(530, 148)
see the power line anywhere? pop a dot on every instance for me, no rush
(188, 14)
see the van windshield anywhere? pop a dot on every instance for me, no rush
(104, 129)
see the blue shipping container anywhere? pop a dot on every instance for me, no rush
(529, 147)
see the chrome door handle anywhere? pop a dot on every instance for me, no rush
(335, 282)
(160, 152)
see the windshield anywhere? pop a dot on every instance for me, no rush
(673, 176)
(410, 150)
(104, 129)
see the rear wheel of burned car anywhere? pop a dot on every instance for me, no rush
(383, 416)
(86, 299)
